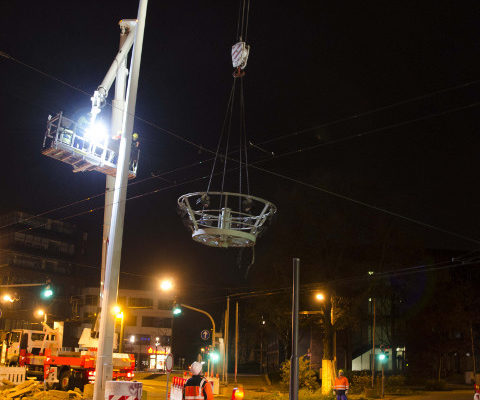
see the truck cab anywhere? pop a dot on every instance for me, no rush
(32, 341)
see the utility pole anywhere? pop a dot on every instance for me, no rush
(383, 380)
(473, 354)
(227, 326)
(122, 332)
(104, 365)
(295, 307)
(236, 340)
(373, 345)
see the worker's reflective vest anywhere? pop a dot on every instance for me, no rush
(341, 383)
(201, 392)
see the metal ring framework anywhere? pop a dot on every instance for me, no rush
(215, 222)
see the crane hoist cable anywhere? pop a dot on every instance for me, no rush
(230, 218)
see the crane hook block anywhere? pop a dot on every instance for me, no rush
(240, 53)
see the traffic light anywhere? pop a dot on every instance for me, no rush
(47, 292)
(214, 356)
(176, 309)
(383, 356)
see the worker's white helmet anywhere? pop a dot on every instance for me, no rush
(196, 368)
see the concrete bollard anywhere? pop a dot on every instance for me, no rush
(123, 390)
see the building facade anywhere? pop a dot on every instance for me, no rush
(38, 250)
(147, 323)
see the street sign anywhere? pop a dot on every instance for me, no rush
(169, 363)
(205, 335)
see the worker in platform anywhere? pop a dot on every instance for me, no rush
(341, 386)
(197, 387)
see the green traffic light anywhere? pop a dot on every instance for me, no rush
(382, 357)
(177, 310)
(47, 292)
(214, 357)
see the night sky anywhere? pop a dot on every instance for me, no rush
(311, 63)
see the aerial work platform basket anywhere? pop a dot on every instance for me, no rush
(75, 143)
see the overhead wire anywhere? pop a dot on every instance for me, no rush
(344, 197)
(253, 165)
(311, 287)
(371, 111)
(376, 130)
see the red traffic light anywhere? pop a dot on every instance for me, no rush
(238, 394)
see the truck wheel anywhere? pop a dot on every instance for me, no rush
(65, 380)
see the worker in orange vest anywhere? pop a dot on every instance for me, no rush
(197, 387)
(341, 386)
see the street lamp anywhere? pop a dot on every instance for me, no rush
(320, 297)
(39, 313)
(6, 298)
(329, 340)
(166, 285)
(119, 315)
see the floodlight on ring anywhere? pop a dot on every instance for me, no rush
(225, 219)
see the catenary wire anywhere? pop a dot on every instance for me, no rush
(318, 285)
(347, 198)
(372, 111)
(379, 209)
(324, 125)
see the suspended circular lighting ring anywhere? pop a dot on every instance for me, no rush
(215, 222)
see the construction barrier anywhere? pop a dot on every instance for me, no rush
(15, 375)
(176, 388)
(215, 382)
(123, 390)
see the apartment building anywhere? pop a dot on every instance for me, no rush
(36, 250)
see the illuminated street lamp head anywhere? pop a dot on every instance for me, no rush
(319, 297)
(166, 285)
(39, 313)
(118, 312)
(8, 298)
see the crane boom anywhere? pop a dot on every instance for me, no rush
(100, 95)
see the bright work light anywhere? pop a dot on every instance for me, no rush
(97, 132)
